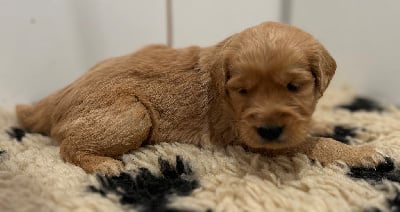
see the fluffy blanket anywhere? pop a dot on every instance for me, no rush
(181, 177)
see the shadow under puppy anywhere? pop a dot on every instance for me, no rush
(257, 88)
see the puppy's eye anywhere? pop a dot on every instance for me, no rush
(293, 87)
(243, 91)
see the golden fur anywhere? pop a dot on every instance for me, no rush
(222, 94)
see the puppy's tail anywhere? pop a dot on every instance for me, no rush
(34, 118)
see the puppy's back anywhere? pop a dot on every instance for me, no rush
(168, 81)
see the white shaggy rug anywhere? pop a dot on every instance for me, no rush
(181, 177)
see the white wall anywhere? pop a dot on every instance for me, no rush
(39, 48)
(46, 44)
(364, 38)
(207, 22)
(111, 28)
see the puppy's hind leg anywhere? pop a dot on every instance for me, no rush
(94, 139)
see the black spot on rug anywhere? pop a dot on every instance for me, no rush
(147, 192)
(363, 104)
(16, 133)
(383, 171)
(342, 134)
(374, 176)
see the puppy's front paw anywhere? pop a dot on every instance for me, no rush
(364, 156)
(328, 151)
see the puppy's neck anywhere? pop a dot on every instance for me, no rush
(220, 119)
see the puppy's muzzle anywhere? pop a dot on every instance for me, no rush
(270, 133)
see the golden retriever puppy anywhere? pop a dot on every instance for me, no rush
(257, 88)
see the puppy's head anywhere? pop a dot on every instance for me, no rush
(274, 75)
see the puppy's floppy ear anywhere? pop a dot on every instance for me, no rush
(214, 59)
(227, 53)
(323, 68)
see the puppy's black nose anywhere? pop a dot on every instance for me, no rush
(270, 132)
